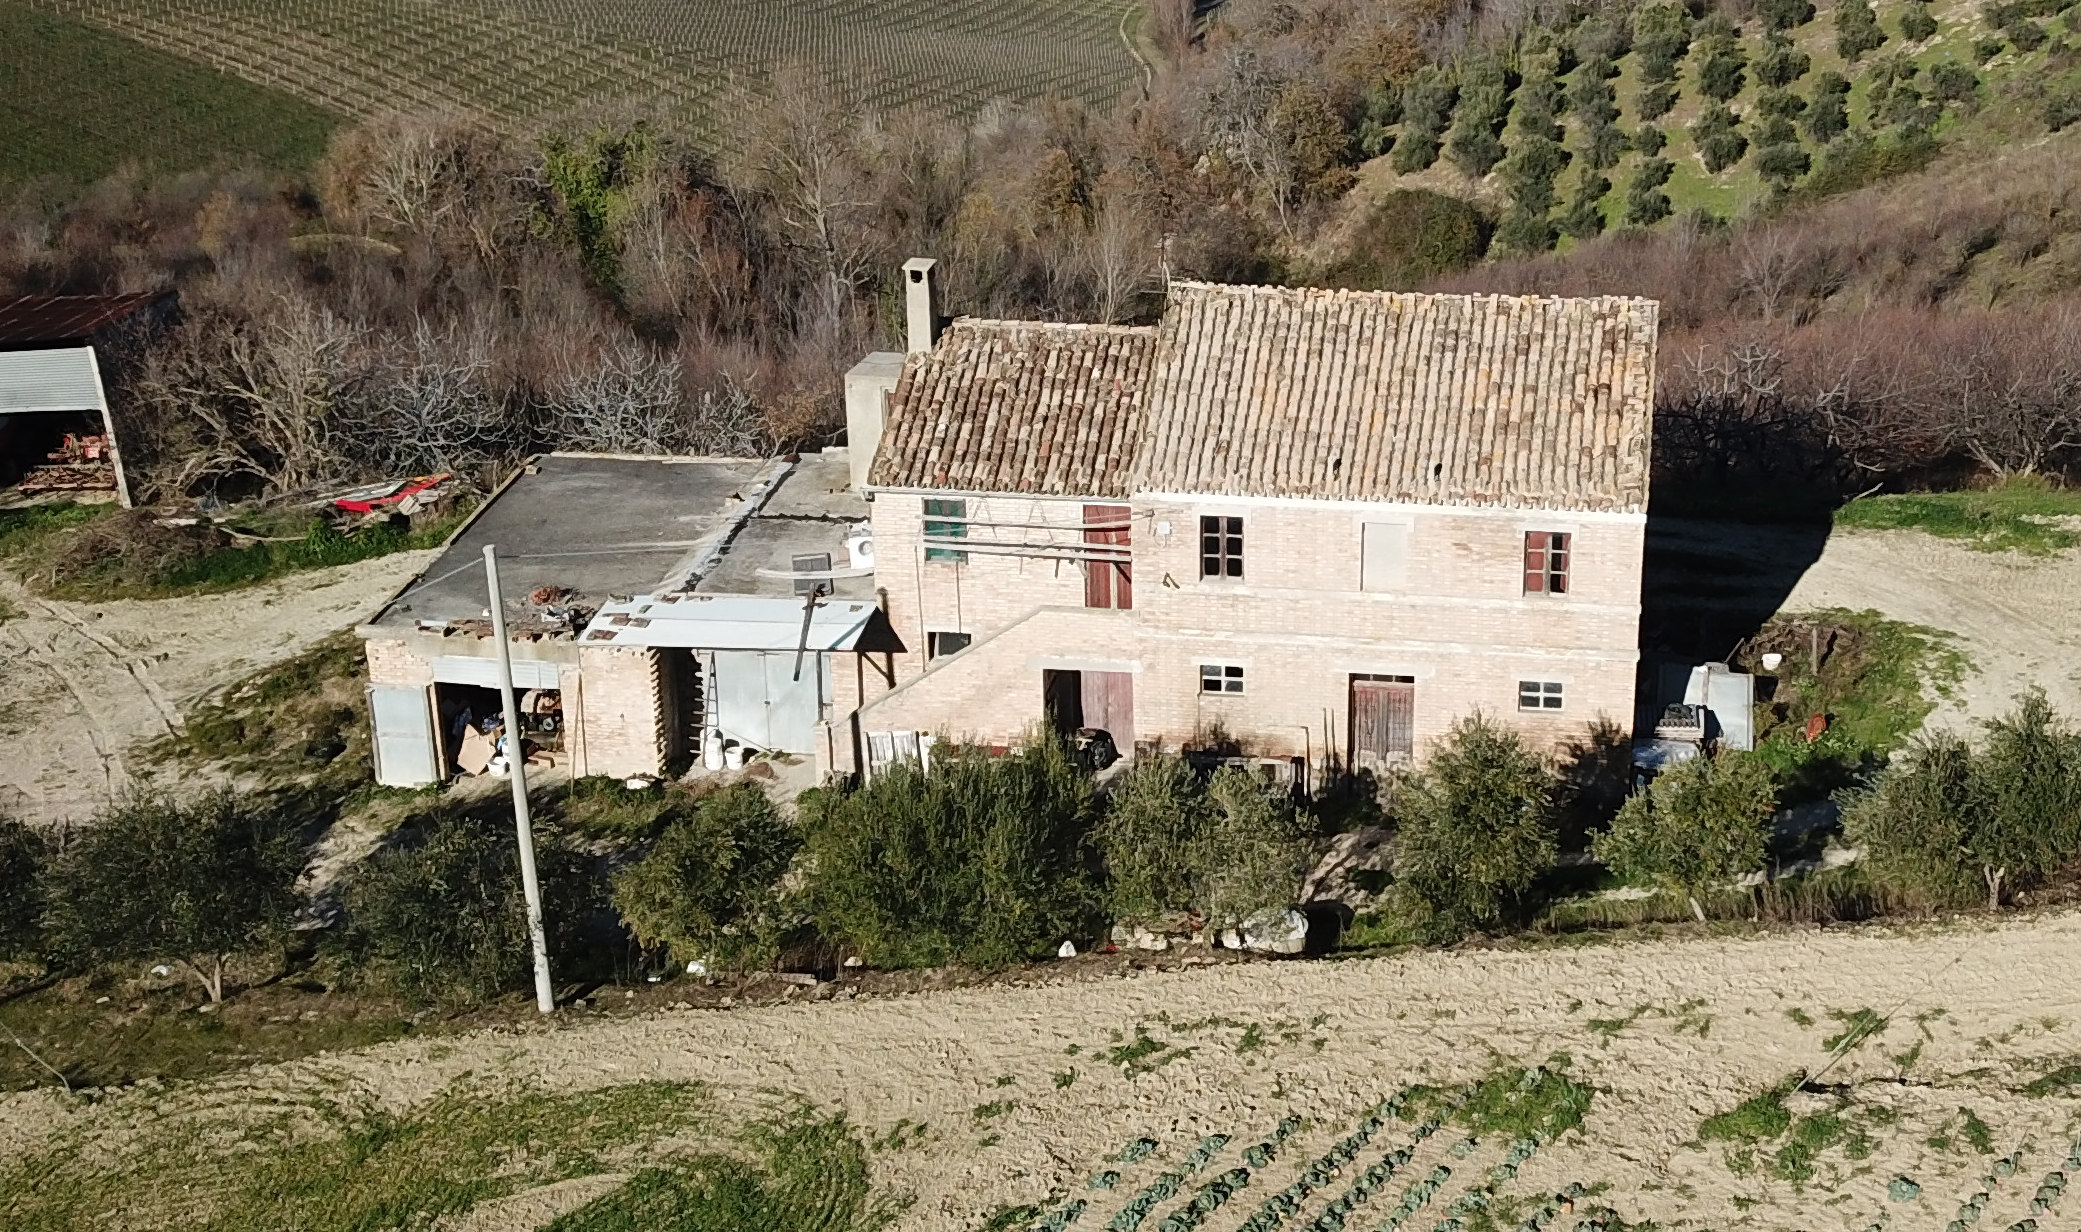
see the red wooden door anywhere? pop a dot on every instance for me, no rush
(1107, 583)
(1383, 722)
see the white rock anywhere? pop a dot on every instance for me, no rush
(1231, 939)
(1276, 931)
(162, 969)
(697, 967)
(1067, 949)
(855, 961)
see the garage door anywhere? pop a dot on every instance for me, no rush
(760, 703)
(469, 669)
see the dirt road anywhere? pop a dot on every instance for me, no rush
(1021, 1099)
(82, 684)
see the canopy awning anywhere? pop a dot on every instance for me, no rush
(59, 379)
(740, 622)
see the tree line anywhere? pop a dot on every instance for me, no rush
(993, 860)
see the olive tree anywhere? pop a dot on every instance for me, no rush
(1700, 823)
(1149, 837)
(1253, 850)
(709, 888)
(1477, 825)
(195, 879)
(2028, 820)
(1912, 825)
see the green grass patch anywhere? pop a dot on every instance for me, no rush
(1975, 1132)
(2021, 515)
(806, 1174)
(334, 1165)
(1858, 1026)
(305, 716)
(1542, 1102)
(23, 530)
(77, 102)
(2054, 1082)
(320, 547)
(1811, 1135)
(1757, 1119)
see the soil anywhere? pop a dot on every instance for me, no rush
(86, 683)
(1669, 1032)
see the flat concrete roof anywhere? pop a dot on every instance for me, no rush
(596, 526)
(808, 514)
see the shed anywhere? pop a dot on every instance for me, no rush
(57, 432)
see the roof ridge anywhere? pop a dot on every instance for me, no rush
(1096, 327)
(1251, 288)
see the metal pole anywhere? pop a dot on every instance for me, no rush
(516, 767)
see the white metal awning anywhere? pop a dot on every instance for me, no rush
(59, 379)
(730, 622)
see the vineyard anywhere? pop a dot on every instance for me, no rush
(77, 102)
(513, 61)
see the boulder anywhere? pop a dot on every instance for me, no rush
(1278, 930)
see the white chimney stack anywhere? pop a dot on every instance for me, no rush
(920, 305)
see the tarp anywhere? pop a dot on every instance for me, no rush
(739, 622)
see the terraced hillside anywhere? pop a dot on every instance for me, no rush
(511, 60)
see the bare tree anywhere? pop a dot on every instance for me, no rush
(808, 156)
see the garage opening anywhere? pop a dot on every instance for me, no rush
(55, 451)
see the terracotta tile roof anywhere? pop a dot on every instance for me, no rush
(1534, 403)
(47, 319)
(1019, 406)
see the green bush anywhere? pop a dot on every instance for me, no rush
(1427, 106)
(23, 855)
(442, 915)
(1475, 143)
(1856, 29)
(1952, 82)
(1646, 202)
(194, 879)
(1649, 140)
(1477, 827)
(1784, 14)
(1149, 837)
(1916, 22)
(1781, 64)
(1723, 72)
(1854, 160)
(984, 859)
(1585, 216)
(1657, 100)
(2060, 109)
(1717, 134)
(1912, 824)
(1590, 96)
(1253, 851)
(708, 889)
(1408, 237)
(1782, 162)
(1828, 115)
(1661, 37)
(1699, 824)
(1603, 146)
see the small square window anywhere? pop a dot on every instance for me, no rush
(939, 645)
(951, 523)
(1220, 547)
(1220, 678)
(1546, 562)
(1538, 695)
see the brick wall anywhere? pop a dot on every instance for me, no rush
(393, 661)
(1454, 617)
(621, 710)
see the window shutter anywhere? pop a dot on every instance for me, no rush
(1535, 562)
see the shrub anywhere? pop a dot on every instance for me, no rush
(1782, 162)
(2029, 792)
(1912, 824)
(1379, 110)
(1699, 824)
(1657, 100)
(708, 888)
(1152, 826)
(1952, 82)
(2027, 36)
(1828, 116)
(1916, 22)
(1475, 143)
(1646, 203)
(1719, 139)
(983, 859)
(1408, 237)
(1427, 105)
(1722, 74)
(1585, 216)
(1590, 96)
(1661, 37)
(1856, 29)
(1252, 852)
(1784, 14)
(24, 853)
(1649, 140)
(1477, 826)
(1603, 146)
(2061, 109)
(1987, 48)
(159, 876)
(1781, 64)
(443, 916)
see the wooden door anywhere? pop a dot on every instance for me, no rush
(1108, 699)
(1383, 721)
(1108, 583)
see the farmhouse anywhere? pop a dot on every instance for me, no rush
(58, 432)
(1308, 524)
(655, 608)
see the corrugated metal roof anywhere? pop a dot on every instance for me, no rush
(1019, 406)
(31, 320)
(730, 622)
(54, 380)
(1523, 402)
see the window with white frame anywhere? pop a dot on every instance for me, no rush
(1220, 678)
(1538, 695)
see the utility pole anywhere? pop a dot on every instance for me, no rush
(516, 767)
